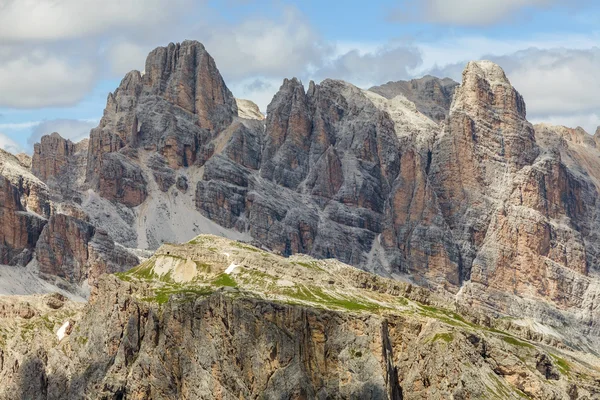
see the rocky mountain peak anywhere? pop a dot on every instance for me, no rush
(248, 109)
(432, 96)
(487, 70)
(51, 155)
(186, 75)
(485, 84)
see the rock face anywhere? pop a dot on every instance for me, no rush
(24, 205)
(51, 156)
(160, 332)
(446, 185)
(19, 229)
(74, 250)
(45, 222)
(175, 108)
(431, 95)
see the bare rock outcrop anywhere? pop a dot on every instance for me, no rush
(184, 325)
(431, 95)
(175, 108)
(51, 156)
(19, 229)
(74, 250)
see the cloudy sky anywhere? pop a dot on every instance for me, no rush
(60, 58)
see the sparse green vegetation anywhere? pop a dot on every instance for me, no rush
(516, 342)
(82, 340)
(309, 265)
(203, 267)
(246, 247)
(563, 365)
(224, 280)
(144, 271)
(446, 337)
(354, 353)
(183, 293)
(318, 296)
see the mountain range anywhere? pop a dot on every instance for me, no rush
(442, 187)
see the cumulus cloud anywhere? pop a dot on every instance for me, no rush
(381, 65)
(259, 90)
(47, 20)
(6, 143)
(282, 46)
(126, 56)
(73, 129)
(53, 52)
(39, 79)
(466, 12)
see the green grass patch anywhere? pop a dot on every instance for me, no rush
(318, 296)
(203, 267)
(224, 280)
(516, 342)
(200, 240)
(563, 365)
(445, 337)
(247, 247)
(183, 293)
(309, 265)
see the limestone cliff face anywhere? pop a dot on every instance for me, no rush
(24, 206)
(184, 325)
(74, 250)
(431, 95)
(175, 108)
(19, 229)
(446, 185)
(51, 156)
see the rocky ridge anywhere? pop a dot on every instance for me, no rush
(432, 96)
(480, 203)
(214, 318)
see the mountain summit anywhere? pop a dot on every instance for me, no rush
(440, 184)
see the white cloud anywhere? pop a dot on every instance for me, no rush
(38, 79)
(387, 63)
(467, 12)
(6, 143)
(259, 90)
(282, 46)
(19, 125)
(67, 19)
(126, 56)
(590, 122)
(73, 129)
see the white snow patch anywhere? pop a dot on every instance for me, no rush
(62, 331)
(231, 268)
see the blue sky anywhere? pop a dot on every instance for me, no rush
(60, 59)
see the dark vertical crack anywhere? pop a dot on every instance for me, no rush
(391, 377)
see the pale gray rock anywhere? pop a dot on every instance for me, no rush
(431, 95)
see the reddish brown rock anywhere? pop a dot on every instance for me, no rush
(74, 250)
(51, 156)
(19, 229)
(288, 135)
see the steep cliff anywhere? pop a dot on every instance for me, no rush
(431, 95)
(445, 185)
(216, 319)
